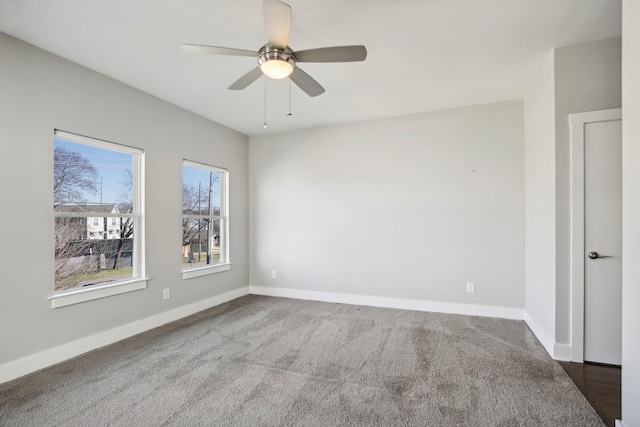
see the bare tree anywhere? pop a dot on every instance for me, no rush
(73, 175)
(199, 201)
(126, 224)
(192, 202)
(126, 232)
(72, 251)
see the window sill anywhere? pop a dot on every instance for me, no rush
(76, 296)
(204, 271)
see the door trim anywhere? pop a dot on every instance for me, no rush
(577, 123)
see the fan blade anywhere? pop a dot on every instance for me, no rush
(277, 21)
(214, 50)
(305, 82)
(247, 79)
(333, 54)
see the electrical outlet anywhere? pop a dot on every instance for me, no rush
(166, 293)
(273, 274)
(471, 287)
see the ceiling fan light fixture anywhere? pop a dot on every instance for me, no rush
(276, 59)
(276, 63)
(276, 69)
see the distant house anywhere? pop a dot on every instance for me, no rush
(96, 227)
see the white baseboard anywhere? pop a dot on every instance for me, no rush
(562, 352)
(555, 350)
(402, 303)
(43, 359)
(34, 362)
(540, 333)
(619, 424)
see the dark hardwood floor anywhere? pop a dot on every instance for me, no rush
(600, 385)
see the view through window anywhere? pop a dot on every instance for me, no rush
(204, 221)
(96, 212)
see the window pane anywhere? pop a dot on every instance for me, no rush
(202, 197)
(217, 194)
(87, 255)
(94, 212)
(216, 239)
(97, 179)
(196, 242)
(200, 191)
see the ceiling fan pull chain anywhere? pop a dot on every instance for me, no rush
(265, 104)
(289, 115)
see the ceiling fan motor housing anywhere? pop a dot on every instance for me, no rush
(268, 53)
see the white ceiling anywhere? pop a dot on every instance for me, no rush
(422, 54)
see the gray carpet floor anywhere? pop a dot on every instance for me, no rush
(262, 361)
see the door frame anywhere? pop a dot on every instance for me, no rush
(577, 123)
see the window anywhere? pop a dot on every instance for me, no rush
(205, 223)
(96, 183)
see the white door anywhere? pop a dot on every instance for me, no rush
(603, 242)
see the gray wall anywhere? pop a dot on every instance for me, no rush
(631, 213)
(540, 227)
(587, 78)
(41, 92)
(576, 79)
(404, 207)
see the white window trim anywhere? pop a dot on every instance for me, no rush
(138, 281)
(78, 295)
(204, 271)
(189, 273)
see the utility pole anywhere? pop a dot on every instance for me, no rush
(211, 230)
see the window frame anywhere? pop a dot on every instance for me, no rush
(225, 261)
(138, 279)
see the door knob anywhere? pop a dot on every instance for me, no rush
(596, 255)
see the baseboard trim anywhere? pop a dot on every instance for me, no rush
(562, 352)
(540, 333)
(43, 359)
(555, 350)
(619, 424)
(35, 362)
(402, 303)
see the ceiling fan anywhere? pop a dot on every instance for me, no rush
(276, 59)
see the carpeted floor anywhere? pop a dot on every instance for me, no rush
(261, 361)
